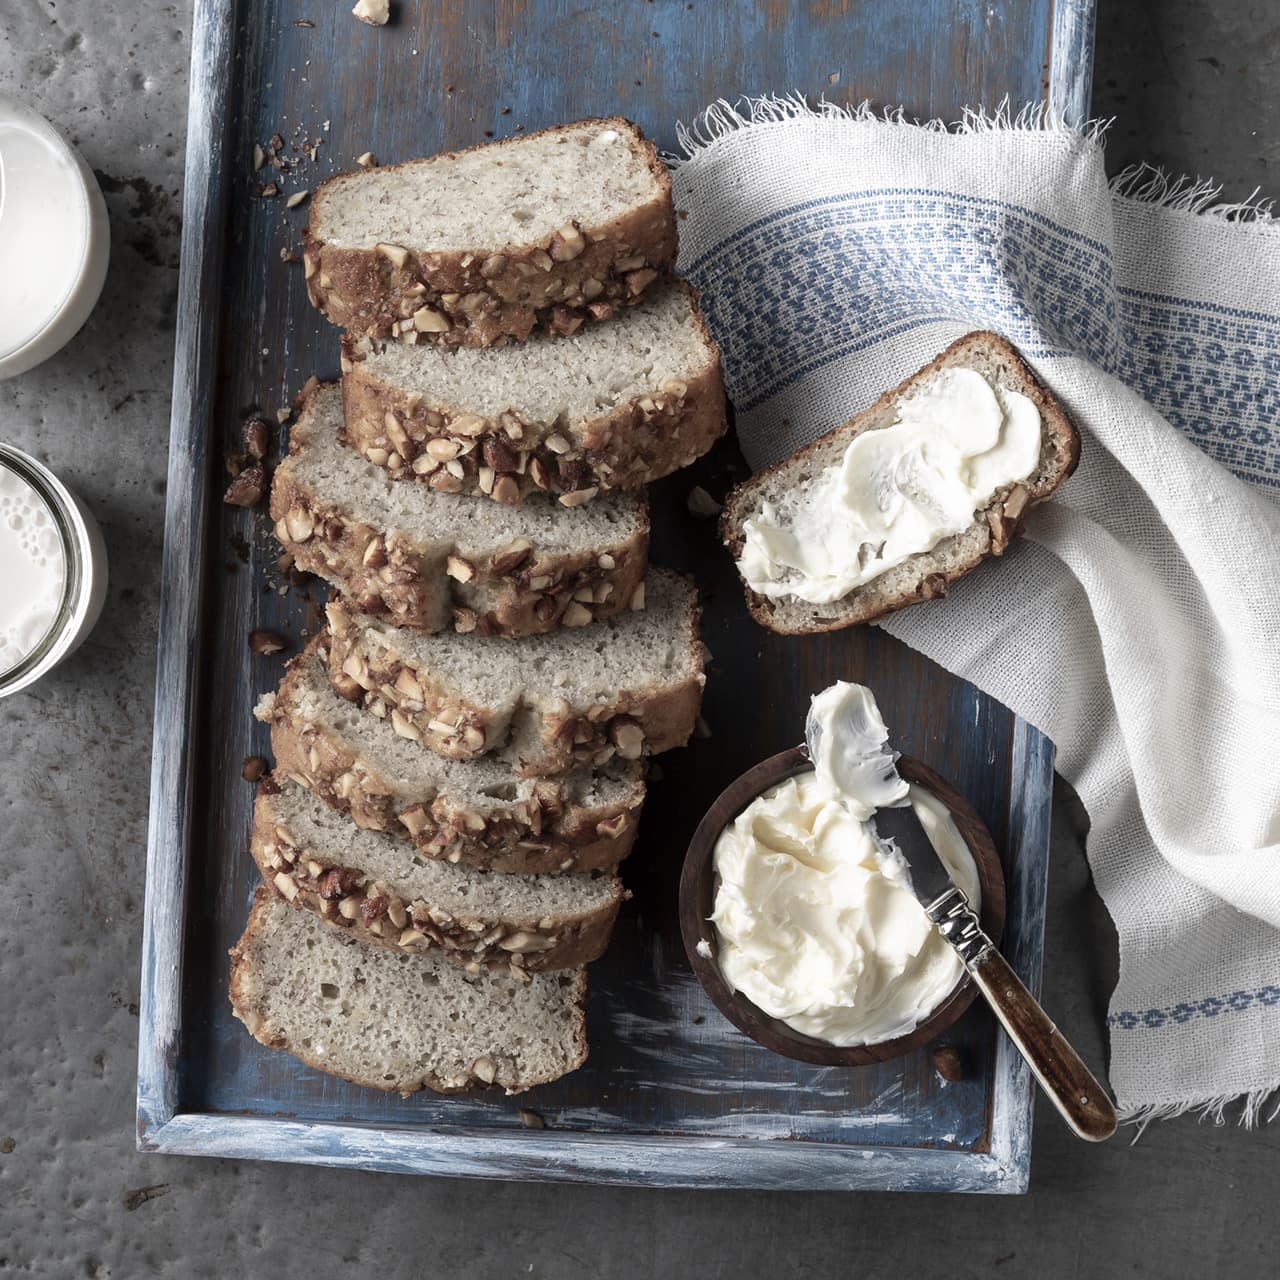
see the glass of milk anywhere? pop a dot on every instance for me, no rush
(54, 239)
(53, 570)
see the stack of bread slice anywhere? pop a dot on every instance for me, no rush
(460, 751)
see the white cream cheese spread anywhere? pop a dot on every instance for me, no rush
(898, 491)
(816, 921)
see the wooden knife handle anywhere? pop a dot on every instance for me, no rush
(1062, 1074)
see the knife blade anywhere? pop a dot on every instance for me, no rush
(930, 879)
(1062, 1074)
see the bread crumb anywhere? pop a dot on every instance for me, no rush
(376, 13)
(701, 504)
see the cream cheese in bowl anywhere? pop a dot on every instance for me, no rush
(815, 919)
(53, 571)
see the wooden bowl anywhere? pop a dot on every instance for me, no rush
(697, 894)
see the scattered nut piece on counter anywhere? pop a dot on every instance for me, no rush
(367, 160)
(296, 199)
(262, 641)
(531, 1119)
(259, 157)
(254, 767)
(247, 488)
(702, 504)
(256, 434)
(283, 415)
(375, 13)
(948, 1063)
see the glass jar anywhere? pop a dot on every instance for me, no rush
(54, 239)
(30, 491)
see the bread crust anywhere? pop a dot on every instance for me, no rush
(509, 591)
(631, 723)
(246, 1007)
(1001, 521)
(350, 900)
(543, 833)
(507, 457)
(493, 294)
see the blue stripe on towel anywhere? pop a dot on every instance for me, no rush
(824, 279)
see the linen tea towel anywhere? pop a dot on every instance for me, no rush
(1138, 624)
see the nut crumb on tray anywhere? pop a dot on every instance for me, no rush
(262, 641)
(701, 504)
(375, 13)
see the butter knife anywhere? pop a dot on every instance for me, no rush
(1062, 1074)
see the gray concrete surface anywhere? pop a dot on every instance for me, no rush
(1193, 85)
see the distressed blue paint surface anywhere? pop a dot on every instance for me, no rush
(671, 1094)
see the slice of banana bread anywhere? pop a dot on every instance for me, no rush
(398, 1021)
(550, 229)
(626, 686)
(786, 486)
(436, 561)
(613, 407)
(480, 812)
(379, 889)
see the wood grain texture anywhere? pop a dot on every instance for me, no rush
(672, 1094)
(1068, 86)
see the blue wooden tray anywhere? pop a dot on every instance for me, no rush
(671, 1095)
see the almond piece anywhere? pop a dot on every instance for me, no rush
(628, 737)
(505, 489)
(374, 13)
(285, 885)
(442, 449)
(459, 569)
(429, 320)
(415, 819)
(638, 281)
(262, 641)
(299, 524)
(567, 243)
(395, 254)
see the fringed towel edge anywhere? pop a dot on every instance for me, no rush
(1252, 1105)
(1140, 183)
(1147, 184)
(723, 119)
